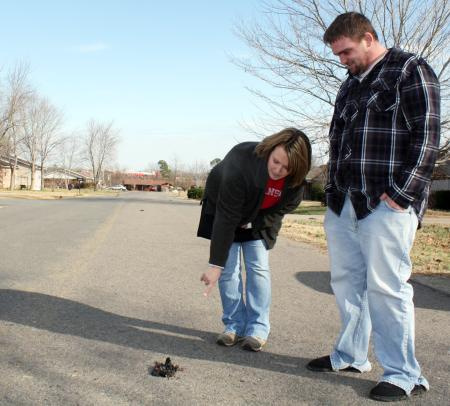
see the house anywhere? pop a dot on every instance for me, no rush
(441, 176)
(21, 173)
(61, 178)
(144, 181)
(316, 176)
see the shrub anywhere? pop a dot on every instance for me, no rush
(317, 192)
(195, 192)
(440, 200)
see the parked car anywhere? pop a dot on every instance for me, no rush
(117, 187)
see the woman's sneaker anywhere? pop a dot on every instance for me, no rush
(251, 343)
(228, 339)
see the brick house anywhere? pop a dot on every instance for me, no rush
(144, 181)
(441, 176)
(62, 178)
(316, 175)
(22, 174)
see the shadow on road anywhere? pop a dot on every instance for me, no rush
(63, 316)
(424, 297)
(319, 281)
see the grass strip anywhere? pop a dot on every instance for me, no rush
(430, 254)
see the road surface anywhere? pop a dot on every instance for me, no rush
(93, 291)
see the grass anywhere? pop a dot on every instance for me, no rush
(430, 254)
(437, 213)
(48, 194)
(311, 210)
(431, 250)
(309, 207)
(309, 231)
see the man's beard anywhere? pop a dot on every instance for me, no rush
(356, 68)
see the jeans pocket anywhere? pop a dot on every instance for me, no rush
(388, 206)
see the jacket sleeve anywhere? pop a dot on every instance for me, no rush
(420, 104)
(334, 148)
(336, 128)
(229, 207)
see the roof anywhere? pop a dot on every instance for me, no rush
(144, 182)
(6, 160)
(317, 173)
(60, 173)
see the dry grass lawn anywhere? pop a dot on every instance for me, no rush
(48, 194)
(430, 253)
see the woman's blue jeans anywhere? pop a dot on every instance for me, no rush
(370, 268)
(246, 315)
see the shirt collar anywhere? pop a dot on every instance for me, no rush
(368, 70)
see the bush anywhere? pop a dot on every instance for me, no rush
(440, 200)
(195, 192)
(317, 192)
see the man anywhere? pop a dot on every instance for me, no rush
(384, 138)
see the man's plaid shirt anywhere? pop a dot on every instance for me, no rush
(384, 136)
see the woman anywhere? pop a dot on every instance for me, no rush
(246, 196)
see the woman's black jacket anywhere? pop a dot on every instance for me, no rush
(233, 196)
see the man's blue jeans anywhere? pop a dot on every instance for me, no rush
(370, 267)
(249, 317)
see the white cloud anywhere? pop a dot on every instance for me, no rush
(94, 47)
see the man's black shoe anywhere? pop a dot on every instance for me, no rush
(386, 392)
(323, 364)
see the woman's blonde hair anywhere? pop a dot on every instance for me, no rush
(298, 150)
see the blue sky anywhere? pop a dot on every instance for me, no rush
(159, 70)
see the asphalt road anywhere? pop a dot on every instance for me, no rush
(94, 291)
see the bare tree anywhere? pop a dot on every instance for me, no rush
(153, 168)
(100, 142)
(68, 154)
(31, 127)
(12, 148)
(303, 76)
(49, 136)
(200, 172)
(40, 124)
(176, 169)
(13, 97)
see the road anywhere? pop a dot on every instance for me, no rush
(93, 291)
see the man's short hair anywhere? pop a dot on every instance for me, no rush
(351, 25)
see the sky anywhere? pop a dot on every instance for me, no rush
(161, 71)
